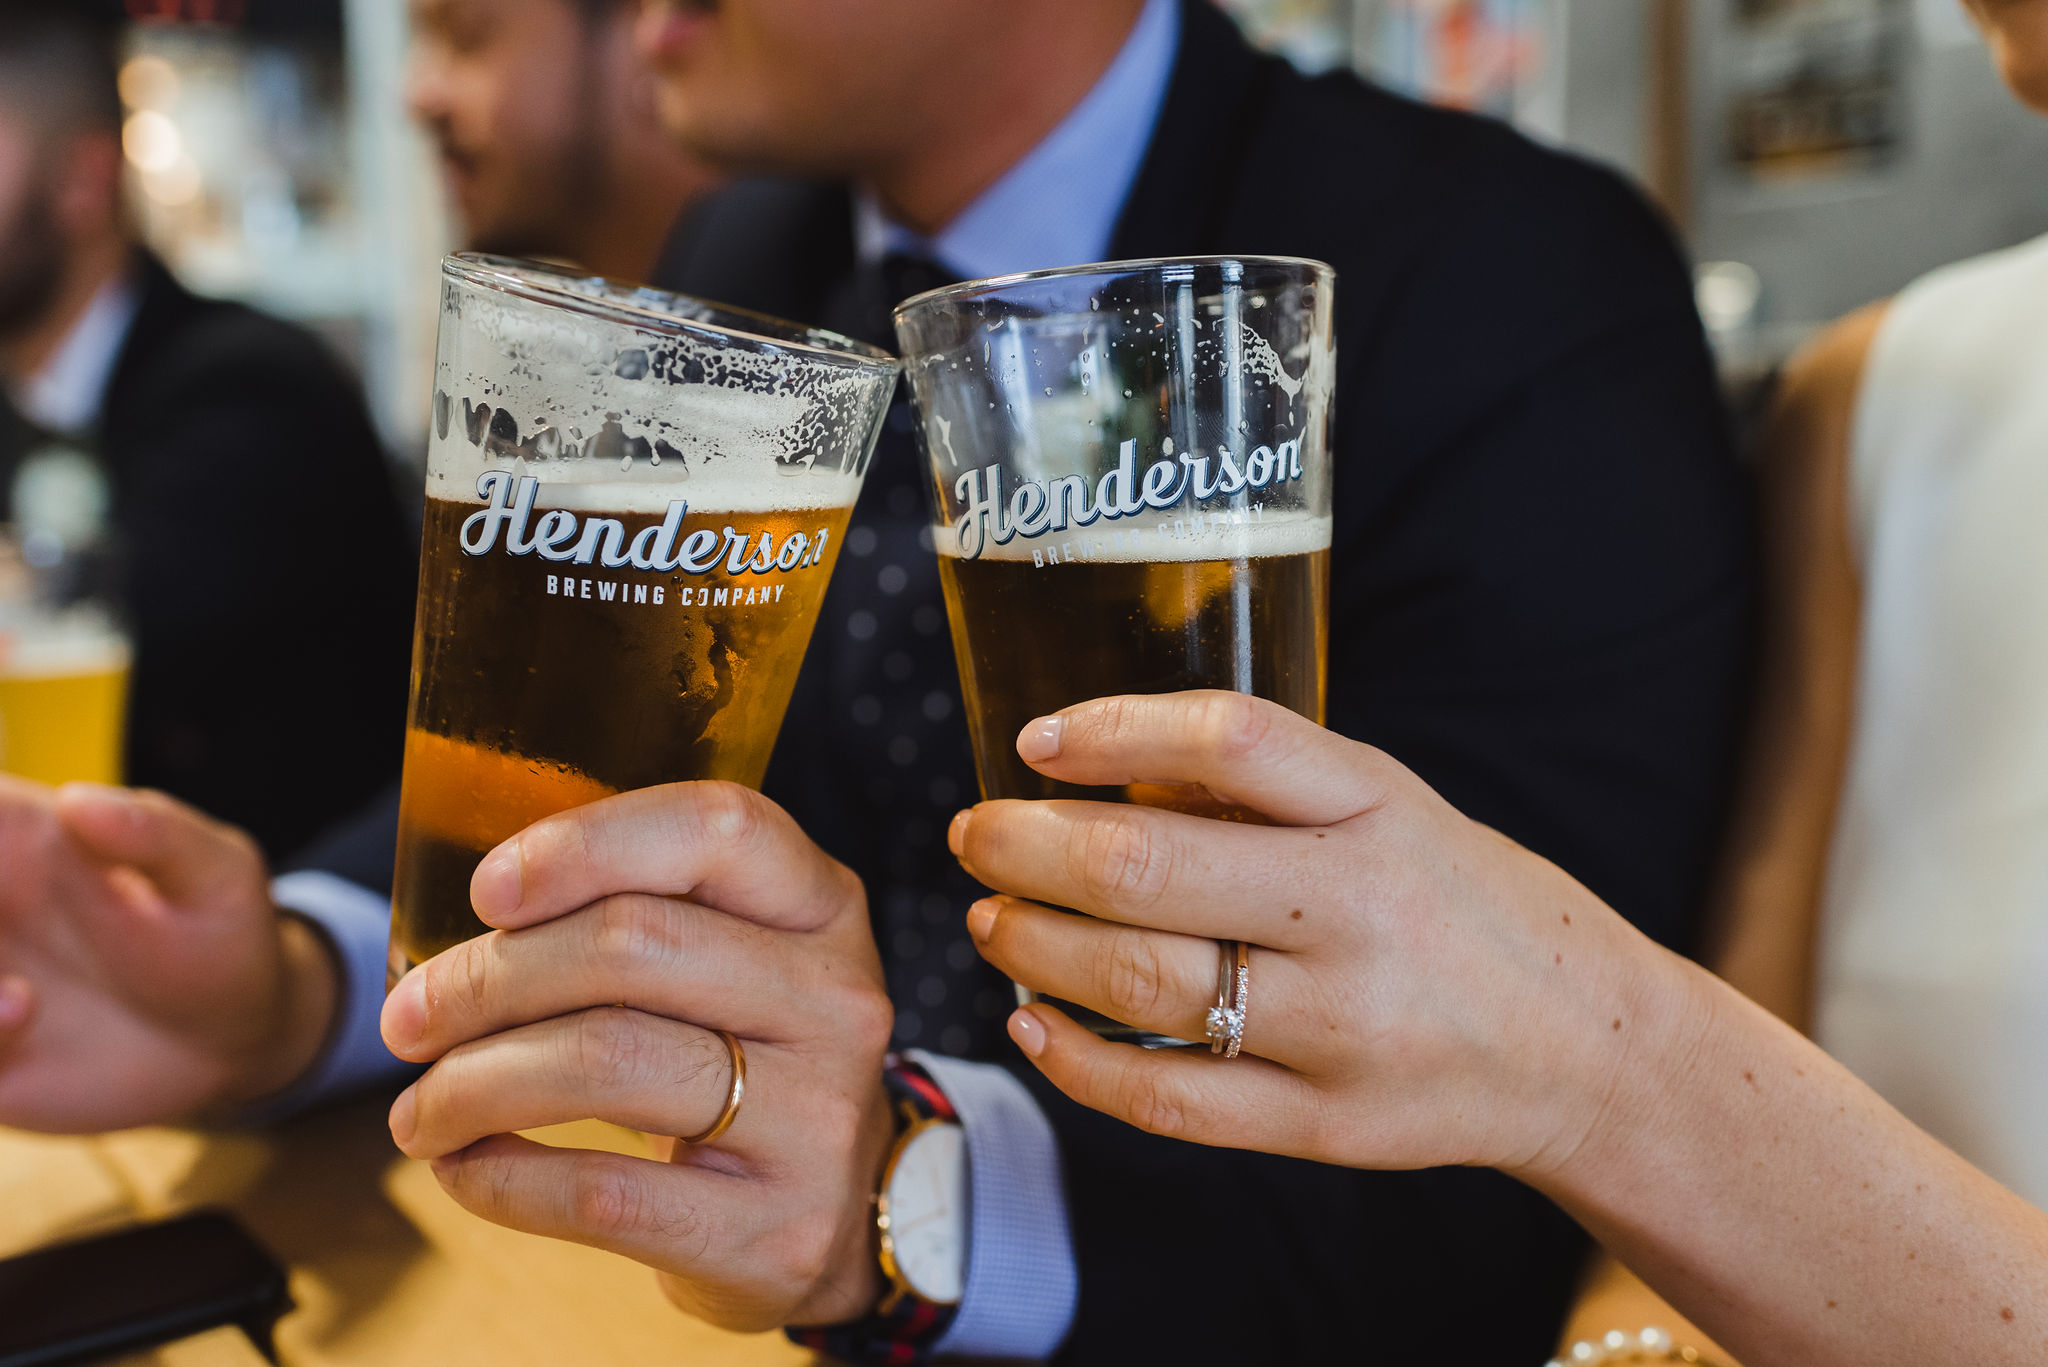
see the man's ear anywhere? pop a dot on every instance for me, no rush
(87, 183)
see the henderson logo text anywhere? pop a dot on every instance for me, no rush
(562, 536)
(1039, 506)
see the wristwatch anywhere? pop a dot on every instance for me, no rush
(921, 1216)
(921, 1208)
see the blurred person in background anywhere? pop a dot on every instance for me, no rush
(144, 940)
(544, 115)
(1886, 881)
(267, 566)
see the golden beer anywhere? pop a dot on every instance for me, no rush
(539, 687)
(63, 701)
(1031, 639)
(634, 503)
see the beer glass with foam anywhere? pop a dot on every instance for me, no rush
(64, 655)
(634, 502)
(1130, 464)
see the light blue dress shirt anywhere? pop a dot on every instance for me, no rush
(1058, 206)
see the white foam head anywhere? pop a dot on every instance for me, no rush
(62, 646)
(623, 400)
(1163, 538)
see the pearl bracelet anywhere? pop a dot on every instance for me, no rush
(1650, 1345)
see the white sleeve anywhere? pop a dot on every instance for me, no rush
(1022, 1282)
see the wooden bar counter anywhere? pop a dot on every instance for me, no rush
(386, 1271)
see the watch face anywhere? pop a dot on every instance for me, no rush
(928, 1213)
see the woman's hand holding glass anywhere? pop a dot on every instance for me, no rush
(1422, 991)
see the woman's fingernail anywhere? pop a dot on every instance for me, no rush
(1040, 740)
(1026, 1030)
(496, 887)
(981, 919)
(956, 833)
(404, 1116)
(14, 1002)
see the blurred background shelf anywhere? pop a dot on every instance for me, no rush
(275, 162)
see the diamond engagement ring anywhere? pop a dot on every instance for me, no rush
(1233, 983)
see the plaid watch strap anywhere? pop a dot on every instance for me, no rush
(903, 1330)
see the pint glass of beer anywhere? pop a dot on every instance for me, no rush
(634, 501)
(1131, 470)
(64, 659)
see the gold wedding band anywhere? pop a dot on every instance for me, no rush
(732, 1097)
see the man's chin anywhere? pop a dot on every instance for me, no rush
(719, 133)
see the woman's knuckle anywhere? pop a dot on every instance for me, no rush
(1320, 1128)
(1151, 1106)
(1121, 862)
(1132, 974)
(1235, 725)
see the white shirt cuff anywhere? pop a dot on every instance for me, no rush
(358, 925)
(1022, 1283)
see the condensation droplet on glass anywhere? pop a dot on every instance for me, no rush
(626, 461)
(1048, 391)
(1166, 446)
(1127, 393)
(654, 459)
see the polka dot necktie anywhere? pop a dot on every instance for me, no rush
(874, 758)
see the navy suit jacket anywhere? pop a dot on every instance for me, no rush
(1541, 602)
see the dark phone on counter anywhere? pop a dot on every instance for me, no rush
(135, 1288)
